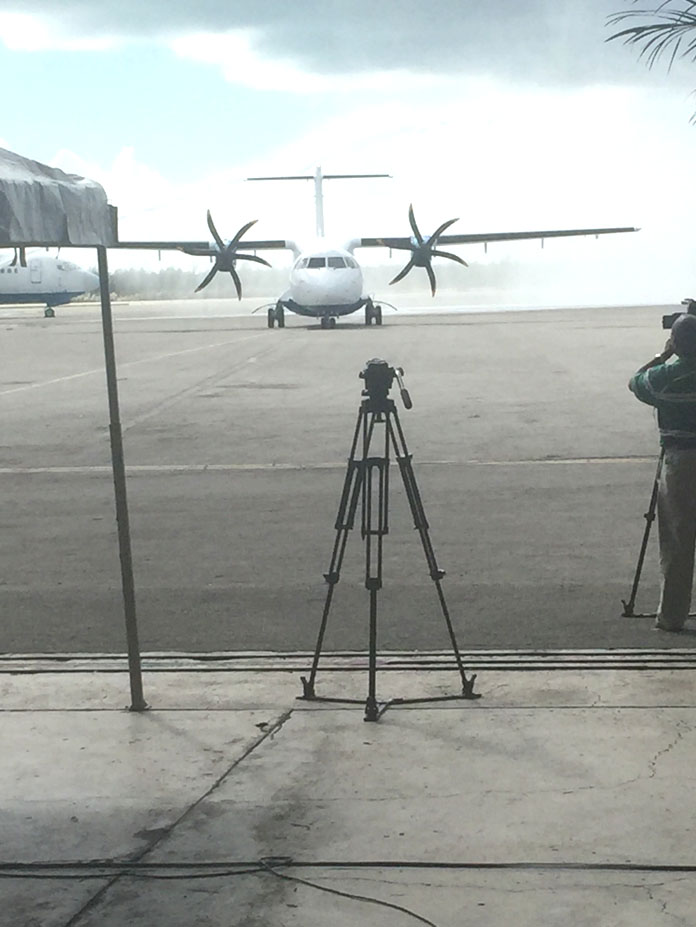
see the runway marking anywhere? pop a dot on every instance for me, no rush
(327, 465)
(122, 366)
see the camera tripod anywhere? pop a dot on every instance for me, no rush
(367, 484)
(649, 516)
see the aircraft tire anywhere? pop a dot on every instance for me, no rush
(332, 322)
(271, 317)
(368, 313)
(378, 315)
(280, 315)
(49, 313)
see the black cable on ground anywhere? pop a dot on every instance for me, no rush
(102, 868)
(269, 863)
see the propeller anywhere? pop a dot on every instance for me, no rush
(20, 254)
(423, 250)
(228, 255)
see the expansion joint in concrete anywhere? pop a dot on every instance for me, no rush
(268, 733)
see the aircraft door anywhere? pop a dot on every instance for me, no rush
(35, 271)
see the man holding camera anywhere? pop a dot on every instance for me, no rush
(671, 389)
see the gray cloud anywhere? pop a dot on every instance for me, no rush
(561, 41)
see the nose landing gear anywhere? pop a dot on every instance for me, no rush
(373, 313)
(328, 321)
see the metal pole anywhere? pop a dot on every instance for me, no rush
(138, 702)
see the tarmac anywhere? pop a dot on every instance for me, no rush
(534, 462)
(563, 795)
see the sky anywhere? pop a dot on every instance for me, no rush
(508, 114)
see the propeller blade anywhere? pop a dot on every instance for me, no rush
(208, 278)
(452, 257)
(237, 282)
(242, 231)
(445, 225)
(252, 257)
(431, 277)
(414, 227)
(402, 273)
(214, 232)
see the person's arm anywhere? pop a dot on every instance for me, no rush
(653, 362)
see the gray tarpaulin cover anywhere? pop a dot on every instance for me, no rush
(41, 205)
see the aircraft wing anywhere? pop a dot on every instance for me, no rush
(205, 248)
(424, 248)
(485, 237)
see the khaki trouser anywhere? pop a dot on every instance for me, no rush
(676, 520)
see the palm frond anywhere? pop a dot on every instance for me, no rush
(673, 31)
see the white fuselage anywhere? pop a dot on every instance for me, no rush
(45, 279)
(325, 281)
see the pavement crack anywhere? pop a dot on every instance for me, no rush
(663, 904)
(165, 832)
(682, 728)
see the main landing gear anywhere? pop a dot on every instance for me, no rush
(276, 314)
(49, 312)
(372, 313)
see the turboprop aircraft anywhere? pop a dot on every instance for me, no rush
(40, 278)
(327, 282)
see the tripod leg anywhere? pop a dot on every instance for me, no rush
(345, 520)
(415, 501)
(649, 519)
(375, 525)
(371, 707)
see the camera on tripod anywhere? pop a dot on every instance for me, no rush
(669, 320)
(379, 376)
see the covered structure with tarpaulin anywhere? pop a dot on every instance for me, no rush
(42, 206)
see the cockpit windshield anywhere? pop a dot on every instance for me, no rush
(334, 262)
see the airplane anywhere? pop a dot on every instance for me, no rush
(327, 282)
(40, 278)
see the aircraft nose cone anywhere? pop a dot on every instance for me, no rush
(91, 281)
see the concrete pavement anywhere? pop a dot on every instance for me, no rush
(562, 796)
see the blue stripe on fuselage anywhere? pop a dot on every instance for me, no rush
(47, 299)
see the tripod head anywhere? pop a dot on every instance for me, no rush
(378, 377)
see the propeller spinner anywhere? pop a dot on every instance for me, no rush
(423, 250)
(227, 255)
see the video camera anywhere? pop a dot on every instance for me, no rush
(669, 320)
(379, 376)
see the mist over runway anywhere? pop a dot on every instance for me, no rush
(534, 462)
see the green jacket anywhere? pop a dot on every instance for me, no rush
(671, 389)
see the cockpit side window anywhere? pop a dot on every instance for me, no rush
(317, 262)
(351, 262)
